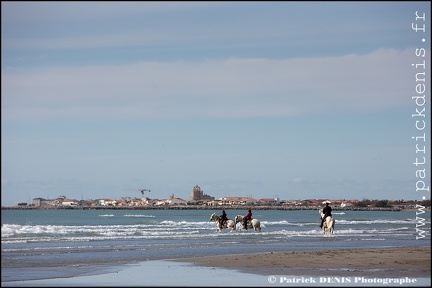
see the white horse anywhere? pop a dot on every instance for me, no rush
(328, 225)
(254, 223)
(228, 224)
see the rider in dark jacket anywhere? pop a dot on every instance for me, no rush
(247, 217)
(222, 218)
(327, 212)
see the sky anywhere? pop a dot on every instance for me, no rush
(295, 100)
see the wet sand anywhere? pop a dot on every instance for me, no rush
(376, 262)
(331, 268)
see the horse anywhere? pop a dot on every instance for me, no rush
(328, 225)
(228, 224)
(254, 223)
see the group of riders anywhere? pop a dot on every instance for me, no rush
(223, 218)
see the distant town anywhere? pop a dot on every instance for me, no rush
(200, 200)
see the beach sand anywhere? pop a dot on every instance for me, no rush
(376, 262)
(331, 268)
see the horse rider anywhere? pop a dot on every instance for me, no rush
(223, 218)
(327, 212)
(247, 217)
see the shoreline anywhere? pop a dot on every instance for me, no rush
(387, 267)
(371, 262)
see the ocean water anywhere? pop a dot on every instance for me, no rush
(41, 244)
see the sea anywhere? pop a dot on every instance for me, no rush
(43, 244)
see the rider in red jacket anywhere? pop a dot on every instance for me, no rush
(247, 217)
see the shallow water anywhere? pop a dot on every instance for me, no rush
(39, 244)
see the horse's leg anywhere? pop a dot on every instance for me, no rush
(330, 226)
(257, 227)
(326, 226)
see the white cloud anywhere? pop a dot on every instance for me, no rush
(213, 88)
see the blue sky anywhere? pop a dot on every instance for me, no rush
(290, 99)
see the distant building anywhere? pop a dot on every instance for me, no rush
(198, 195)
(69, 202)
(270, 201)
(346, 204)
(106, 202)
(171, 201)
(39, 202)
(237, 201)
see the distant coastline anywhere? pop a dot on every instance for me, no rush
(202, 207)
(201, 201)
